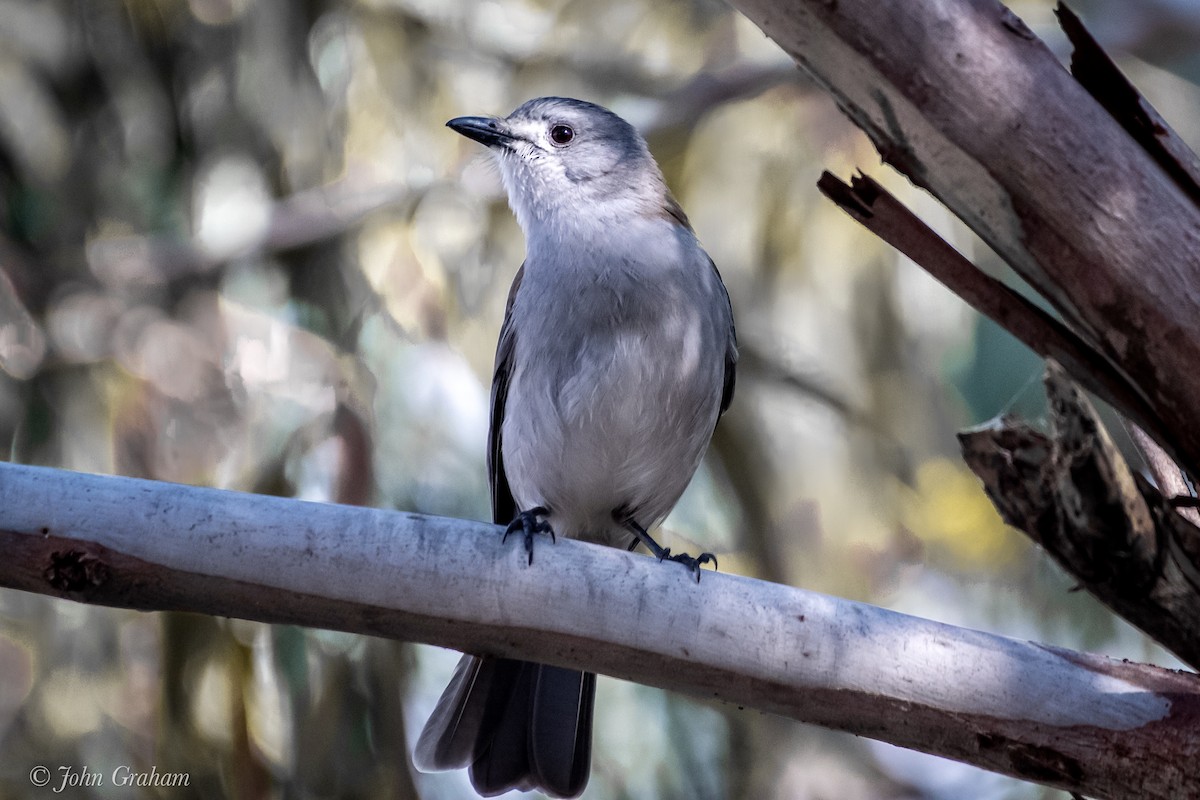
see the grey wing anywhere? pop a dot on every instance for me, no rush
(731, 352)
(504, 507)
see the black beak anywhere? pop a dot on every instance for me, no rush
(485, 130)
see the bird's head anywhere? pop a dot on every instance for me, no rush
(569, 162)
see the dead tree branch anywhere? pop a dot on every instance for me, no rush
(1073, 493)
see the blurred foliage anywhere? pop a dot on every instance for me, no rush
(239, 249)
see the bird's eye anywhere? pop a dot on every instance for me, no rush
(562, 134)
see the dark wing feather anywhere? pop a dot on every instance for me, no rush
(731, 352)
(504, 507)
(449, 737)
(560, 734)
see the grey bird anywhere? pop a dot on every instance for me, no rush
(615, 359)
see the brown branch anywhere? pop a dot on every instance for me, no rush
(885, 216)
(1072, 493)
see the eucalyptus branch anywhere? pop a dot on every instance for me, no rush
(1086, 723)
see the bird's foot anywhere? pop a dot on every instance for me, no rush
(530, 523)
(693, 563)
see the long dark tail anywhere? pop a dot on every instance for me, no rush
(516, 724)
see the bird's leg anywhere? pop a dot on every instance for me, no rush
(658, 551)
(530, 523)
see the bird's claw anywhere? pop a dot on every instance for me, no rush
(691, 562)
(530, 523)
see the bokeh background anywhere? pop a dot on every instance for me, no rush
(238, 248)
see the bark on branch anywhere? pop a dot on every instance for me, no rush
(1085, 723)
(965, 100)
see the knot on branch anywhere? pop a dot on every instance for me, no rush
(76, 571)
(1035, 762)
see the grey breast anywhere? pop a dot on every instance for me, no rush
(616, 391)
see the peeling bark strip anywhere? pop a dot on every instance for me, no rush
(1072, 493)
(1093, 68)
(1089, 724)
(960, 97)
